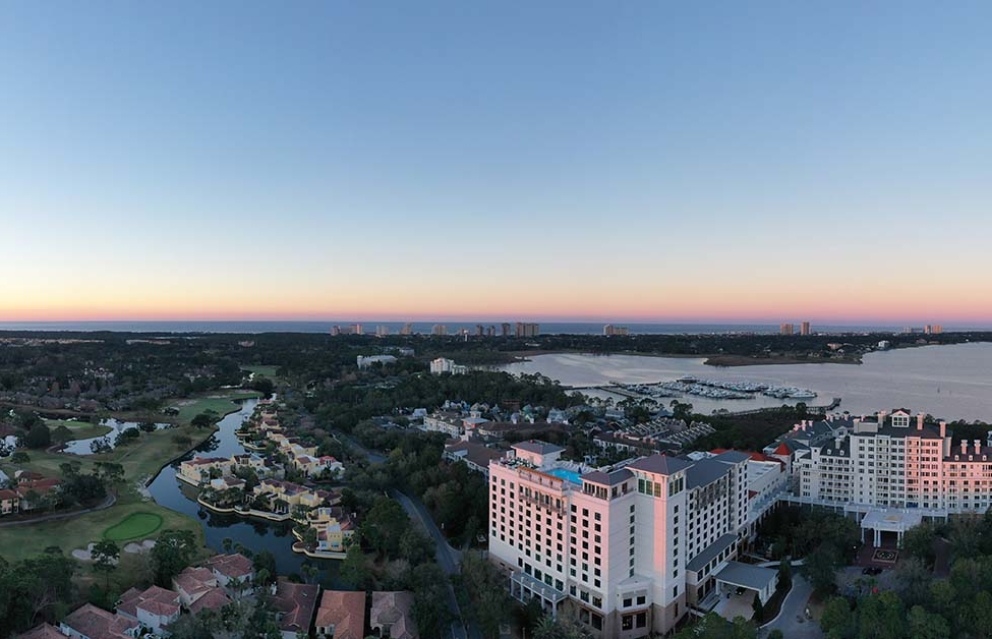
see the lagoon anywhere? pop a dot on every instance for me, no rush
(254, 534)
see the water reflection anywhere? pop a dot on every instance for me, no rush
(254, 534)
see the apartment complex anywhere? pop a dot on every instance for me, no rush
(627, 548)
(897, 461)
(527, 329)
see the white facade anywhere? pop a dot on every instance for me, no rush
(443, 365)
(897, 461)
(614, 544)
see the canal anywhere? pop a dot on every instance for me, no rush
(254, 534)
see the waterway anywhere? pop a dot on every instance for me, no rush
(254, 534)
(116, 426)
(950, 382)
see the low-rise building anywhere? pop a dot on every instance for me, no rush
(295, 606)
(90, 622)
(476, 456)
(341, 615)
(235, 572)
(392, 615)
(199, 470)
(154, 608)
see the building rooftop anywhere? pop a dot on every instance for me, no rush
(608, 479)
(44, 631)
(344, 612)
(710, 552)
(732, 456)
(235, 566)
(393, 610)
(705, 472)
(660, 464)
(538, 447)
(297, 603)
(97, 623)
(746, 575)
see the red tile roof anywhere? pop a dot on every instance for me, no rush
(44, 631)
(213, 599)
(97, 623)
(297, 602)
(344, 611)
(234, 566)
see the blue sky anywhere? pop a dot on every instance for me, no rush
(733, 161)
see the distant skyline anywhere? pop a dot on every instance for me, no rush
(724, 162)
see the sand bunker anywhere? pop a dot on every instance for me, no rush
(144, 546)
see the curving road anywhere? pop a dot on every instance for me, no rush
(447, 557)
(791, 619)
(109, 501)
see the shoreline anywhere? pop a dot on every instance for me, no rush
(713, 359)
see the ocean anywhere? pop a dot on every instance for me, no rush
(369, 326)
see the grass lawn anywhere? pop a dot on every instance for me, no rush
(220, 403)
(80, 429)
(134, 526)
(141, 459)
(262, 371)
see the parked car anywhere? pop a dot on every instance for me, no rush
(871, 571)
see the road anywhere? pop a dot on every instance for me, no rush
(447, 557)
(109, 501)
(791, 619)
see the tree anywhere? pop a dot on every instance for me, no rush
(758, 608)
(981, 615)
(784, 574)
(776, 634)
(203, 420)
(837, 620)
(882, 617)
(918, 542)
(106, 555)
(172, 553)
(925, 625)
(264, 560)
(820, 568)
(111, 473)
(383, 526)
(39, 436)
(61, 434)
(914, 578)
(415, 546)
(355, 567)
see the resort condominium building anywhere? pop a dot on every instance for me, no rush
(896, 461)
(624, 550)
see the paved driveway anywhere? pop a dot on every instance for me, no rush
(792, 618)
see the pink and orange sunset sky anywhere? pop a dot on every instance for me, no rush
(654, 162)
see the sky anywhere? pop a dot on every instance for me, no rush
(638, 161)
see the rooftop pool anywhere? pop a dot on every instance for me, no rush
(567, 475)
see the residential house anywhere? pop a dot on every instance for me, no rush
(295, 605)
(154, 608)
(334, 528)
(44, 631)
(392, 615)
(199, 589)
(90, 622)
(476, 456)
(10, 502)
(198, 470)
(234, 572)
(341, 615)
(33, 492)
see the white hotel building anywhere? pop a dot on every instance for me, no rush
(628, 550)
(892, 471)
